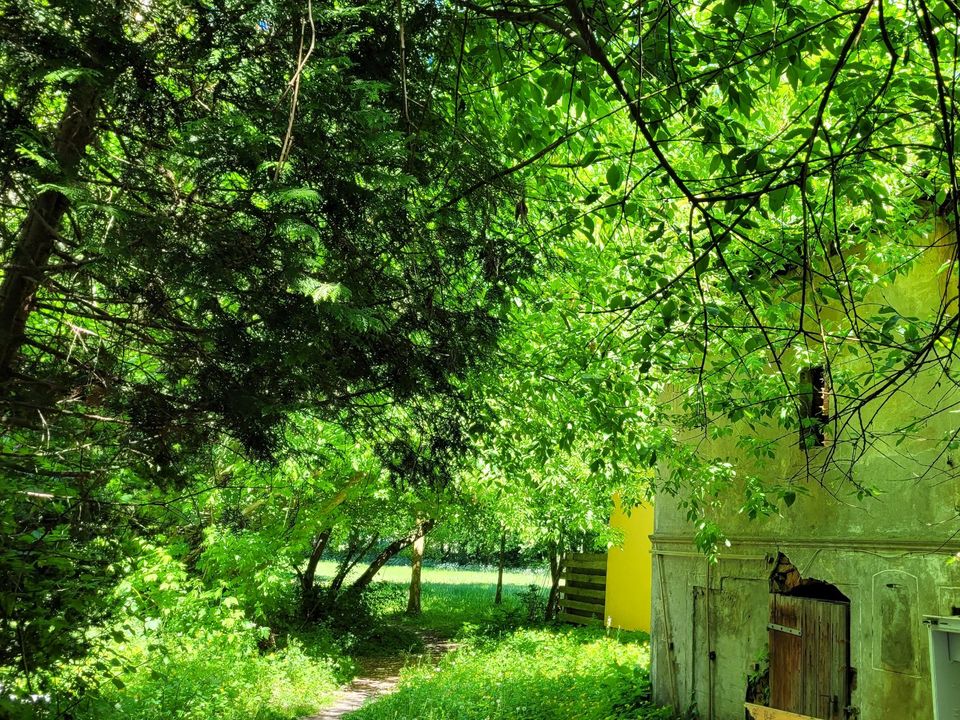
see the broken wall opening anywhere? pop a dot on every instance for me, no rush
(785, 579)
(808, 662)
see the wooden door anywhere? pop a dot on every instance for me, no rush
(809, 656)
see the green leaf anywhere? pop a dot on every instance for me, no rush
(70, 75)
(754, 342)
(778, 197)
(583, 91)
(555, 91)
(589, 158)
(614, 176)
(300, 195)
(668, 310)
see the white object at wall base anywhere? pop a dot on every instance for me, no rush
(945, 665)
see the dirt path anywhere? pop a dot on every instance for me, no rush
(378, 676)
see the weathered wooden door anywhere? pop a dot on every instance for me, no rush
(809, 656)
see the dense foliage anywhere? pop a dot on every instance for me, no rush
(177, 650)
(285, 282)
(726, 188)
(205, 231)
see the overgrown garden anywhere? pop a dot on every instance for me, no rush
(293, 292)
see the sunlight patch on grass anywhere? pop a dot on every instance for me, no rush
(445, 575)
(453, 597)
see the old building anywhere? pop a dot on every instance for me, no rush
(819, 611)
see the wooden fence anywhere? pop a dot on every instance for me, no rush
(583, 586)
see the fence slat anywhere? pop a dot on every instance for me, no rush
(587, 556)
(588, 607)
(598, 582)
(570, 591)
(579, 619)
(587, 564)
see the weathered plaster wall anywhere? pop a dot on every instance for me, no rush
(629, 569)
(722, 613)
(888, 555)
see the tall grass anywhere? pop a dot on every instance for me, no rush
(530, 674)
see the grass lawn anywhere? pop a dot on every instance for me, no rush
(446, 575)
(452, 597)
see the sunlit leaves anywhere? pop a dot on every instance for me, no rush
(779, 191)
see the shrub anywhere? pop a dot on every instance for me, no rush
(534, 603)
(253, 568)
(175, 650)
(359, 618)
(219, 679)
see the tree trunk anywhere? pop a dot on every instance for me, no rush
(389, 552)
(503, 548)
(555, 565)
(353, 556)
(307, 581)
(416, 565)
(26, 270)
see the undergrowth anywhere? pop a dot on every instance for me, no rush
(181, 647)
(176, 649)
(529, 674)
(223, 644)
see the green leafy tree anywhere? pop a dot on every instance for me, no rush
(722, 185)
(216, 215)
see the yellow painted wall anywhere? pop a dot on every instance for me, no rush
(630, 570)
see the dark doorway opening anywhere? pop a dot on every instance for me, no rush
(809, 670)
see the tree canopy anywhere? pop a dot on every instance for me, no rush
(281, 279)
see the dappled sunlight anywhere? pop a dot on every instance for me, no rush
(300, 301)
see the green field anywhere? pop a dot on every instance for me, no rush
(448, 575)
(454, 596)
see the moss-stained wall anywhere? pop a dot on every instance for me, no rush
(629, 570)
(889, 555)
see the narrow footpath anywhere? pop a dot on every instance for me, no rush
(378, 676)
